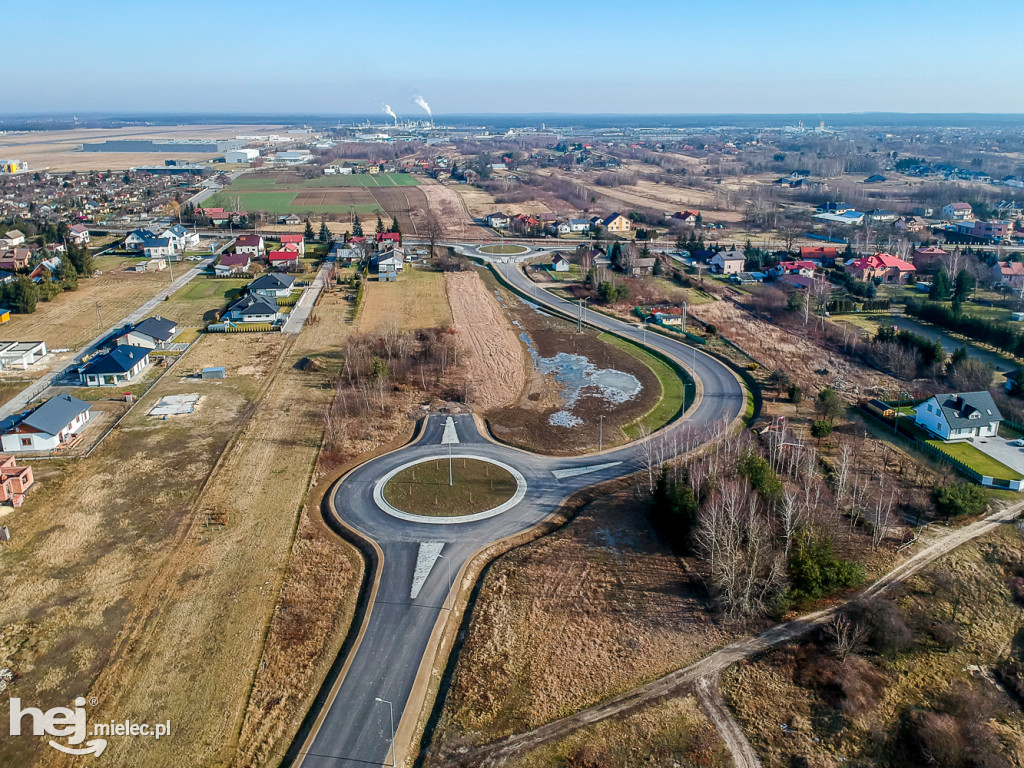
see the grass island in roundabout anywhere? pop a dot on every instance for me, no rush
(504, 250)
(420, 490)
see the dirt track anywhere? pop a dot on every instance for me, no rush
(496, 366)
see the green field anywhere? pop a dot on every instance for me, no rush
(980, 462)
(423, 489)
(280, 203)
(673, 389)
(503, 249)
(253, 182)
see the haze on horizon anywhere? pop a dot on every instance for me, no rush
(658, 57)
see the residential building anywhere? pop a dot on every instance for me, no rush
(49, 426)
(253, 308)
(14, 238)
(911, 224)
(137, 239)
(15, 259)
(957, 211)
(497, 220)
(579, 225)
(158, 248)
(728, 262)
(881, 215)
(616, 222)
(78, 234)
(1009, 274)
(272, 286)
(152, 333)
(854, 218)
(388, 237)
(559, 263)
(959, 416)
(254, 245)
(824, 254)
(288, 260)
(992, 230)
(929, 258)
(389, 261)
(118, 366)
(232, 263)
(180, 238)
(14, 481)
(881, 266)
(803, 267)
(296, 240)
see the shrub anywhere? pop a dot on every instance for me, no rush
(762, 478)
(888, 632)
(963, 499)
(815, 571)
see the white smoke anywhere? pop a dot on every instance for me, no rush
(422, 104)
(388, 110)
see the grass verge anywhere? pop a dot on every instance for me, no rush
(423, 489)
(673, 389)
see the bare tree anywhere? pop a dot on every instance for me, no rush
(846, 636)
(432, 230)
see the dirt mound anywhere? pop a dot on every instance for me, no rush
(496, 367)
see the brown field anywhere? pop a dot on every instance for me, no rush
(417, 300)
(448, 205)
(76, 317)
(592, 610)
(54, 150)
(405, 204)
(495, 358)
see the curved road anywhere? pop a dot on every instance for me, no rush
(419, 560)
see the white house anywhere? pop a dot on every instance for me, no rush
(14, 238)
(180, 238)
(728, 262)
(959, 416)
(298, 241)
(158, 248)
(559, 263)
(241, 155)
(78, 234)
(118, 366)
(957, 211)
(272, 285)
(253, 308)
(152, 333)
(137, 239)
(254, 245)
(497, 220)
(45, 428)
(390, 261)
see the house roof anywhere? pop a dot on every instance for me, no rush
(271, 282)
(235, 259)
(790, 266)
(610, 218)
(283, 256)
(158, 328)
(142, 234)
(120, 359)
(78, 229)
(731, 255)
(55, 414)
(960, 206)
(883, 261)
(158, 242)
(797, 281)
(254, 304)
(966, 409)
(291, 238)
(248, 240)
(818, 251)
(1011, 268)
(176, 230)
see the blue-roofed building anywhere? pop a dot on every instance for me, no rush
(53, 423)
(137, 239)
(118, 366)
(158, 248)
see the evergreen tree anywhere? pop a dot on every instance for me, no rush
(680, 242)
(940, 289)
(21, 295)
(962, 286)
(380, 225)
(309, 235)
(357, 227)
(325, 233)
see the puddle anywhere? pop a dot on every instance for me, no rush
(579, 377)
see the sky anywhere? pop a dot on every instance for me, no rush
(653, 56)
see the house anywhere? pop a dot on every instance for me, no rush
(881, 215)
(180, 238)
(45, 268)
(78, 234)
(642, 266)
(158, 248)
(158, 264)
(834, 208)
(562, 228)
(497, 220)
(21, 354)
(559, 263)
(272, 286)
(687, 217)
(855, 218)
(232, 263)
(962, 416)
(824, 254)
(881, 266)
(389, 261)
(137, 239)
(294, 240)
(52, 424)
(15, 259)
(118, 366)
(254, 245)
(728, 262)
(991, 230)
(928, 258)
(14, 480)
(388, 237)
(957, 212)
(152, 333)
(345, 256)
(804, 268)
(291, 219)
(800, 282)
(254, 308)
(579, 225)
(14, 238)
(288, 260)
(616, 222)
(911, 224)
(1009, 274)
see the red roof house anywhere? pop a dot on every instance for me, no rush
(889, 268)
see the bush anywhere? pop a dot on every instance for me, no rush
(815, 571)
(820, 428)
(673, 512)
(762, 478)
(956, 500)
(888, 632)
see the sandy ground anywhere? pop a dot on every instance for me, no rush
(496, 360)
(55, 150)
(449, 207)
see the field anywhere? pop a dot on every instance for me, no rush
(503, 249)
(591, 610)
(417, 300)
(423, 489)
(365, 195)
(495, 357)
(197, 302)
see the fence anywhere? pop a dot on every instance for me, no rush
(242, 328)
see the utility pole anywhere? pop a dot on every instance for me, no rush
(600, 434)
(451, 476)
(391, 710)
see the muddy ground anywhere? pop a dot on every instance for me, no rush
(525, 424)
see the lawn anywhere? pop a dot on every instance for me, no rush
(980, 462)
(423, 489)
(673, 389)
(418, 299)
(506, 249)
(191, 304)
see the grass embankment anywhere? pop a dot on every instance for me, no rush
(673, 389)
(423, 489)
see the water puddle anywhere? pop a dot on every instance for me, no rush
(581, 378)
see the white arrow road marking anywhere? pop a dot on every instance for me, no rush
(425, 559)
(574, 471)
(94, 747)
(450, 436)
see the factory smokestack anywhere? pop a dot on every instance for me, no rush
(422, 104)
(388, 110)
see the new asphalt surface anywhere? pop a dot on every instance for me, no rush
(355, 727)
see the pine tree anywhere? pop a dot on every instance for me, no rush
(357, 227)
(325, 233)
(380, 225)
(309, 235)
(940, 289)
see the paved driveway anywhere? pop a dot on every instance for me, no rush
(1000, 450)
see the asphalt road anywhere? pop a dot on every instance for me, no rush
(355, 729)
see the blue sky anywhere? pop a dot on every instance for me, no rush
(570, 56)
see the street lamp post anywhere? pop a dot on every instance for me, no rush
(391, 710)
(600, 434)
(448, 563)
(451, 476)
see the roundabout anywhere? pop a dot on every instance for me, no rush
(445, 490)
(504, 250)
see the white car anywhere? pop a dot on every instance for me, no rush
(1016, 443)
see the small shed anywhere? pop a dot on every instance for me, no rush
(213, 373)
(5, 314)
(5, 533)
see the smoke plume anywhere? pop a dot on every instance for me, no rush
(422, 104)
(388, 110)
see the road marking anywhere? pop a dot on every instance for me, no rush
(575, 471)
(450, 436)
(425, 559)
